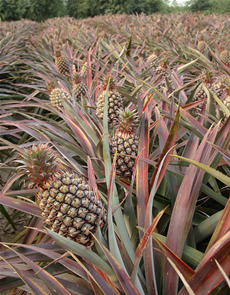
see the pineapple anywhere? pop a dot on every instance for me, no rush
(62, 62)
(85, 67)
(115, 101)
(125, 142)
(224, 57)
(69, 207)
(57, 95)
(79, 89)
(207, 79)
(162, 70)
(153, 60)
(201, 46)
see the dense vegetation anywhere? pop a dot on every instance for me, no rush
(40, 10)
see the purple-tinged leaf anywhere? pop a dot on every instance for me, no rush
(222, 227)
(34, 287)
(182, 267)
(200, 128)
(98, 277)
(183, 210)
(207, 275)
(20, 205)
(144, 241)
(51, 282)
(122, 276)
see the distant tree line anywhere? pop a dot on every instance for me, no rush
(39, 10)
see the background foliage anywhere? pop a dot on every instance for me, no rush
(39, 10)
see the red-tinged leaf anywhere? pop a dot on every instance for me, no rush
(51, 282)
(222, 227)
(223, 152)
(81, 137)
(207, 275)
(89, 71)
(144, 241)
(183, 210)
(147, 103)
(45, 249)
(20, 205)
(200, 128)
(92, 179)
(171, 141)
(183, 268)
(122, 276)
(97, 278)
(142, 168)
(34, 287)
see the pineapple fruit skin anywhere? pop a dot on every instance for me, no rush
(224, 57)
(80, 90)
(58, 95)
(115, 104)
(63, 64)
(127, 145)
(70, 208)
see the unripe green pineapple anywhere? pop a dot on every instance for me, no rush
(80, 89)
(57, 95)
(62, 62)
(115, 101)
(225, 57)
(125, 141)
(69, 206)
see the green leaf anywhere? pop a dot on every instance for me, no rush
(215, 173)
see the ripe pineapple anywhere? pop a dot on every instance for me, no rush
(115, 101)
(57, 95)
(153, 60)
(125, 141)
(207, 79)
(225, 57)
(201, 46)
(62, 62)
(163, 69)
(69, 206)
(80, 89)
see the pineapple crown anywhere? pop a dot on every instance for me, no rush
(207, 76)
(51, 85)
(127, 121)
(76, 78)
(39, 163)
(108, 79)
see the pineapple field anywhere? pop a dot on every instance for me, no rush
(114, 147)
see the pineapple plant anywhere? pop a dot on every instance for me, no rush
(62, 62)
(125, 143)
(163, 69)
(153, 60)
(115, 101)
(57, 95)
(80, 89)
(208, 79)
(224, 57)
(69, 207)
